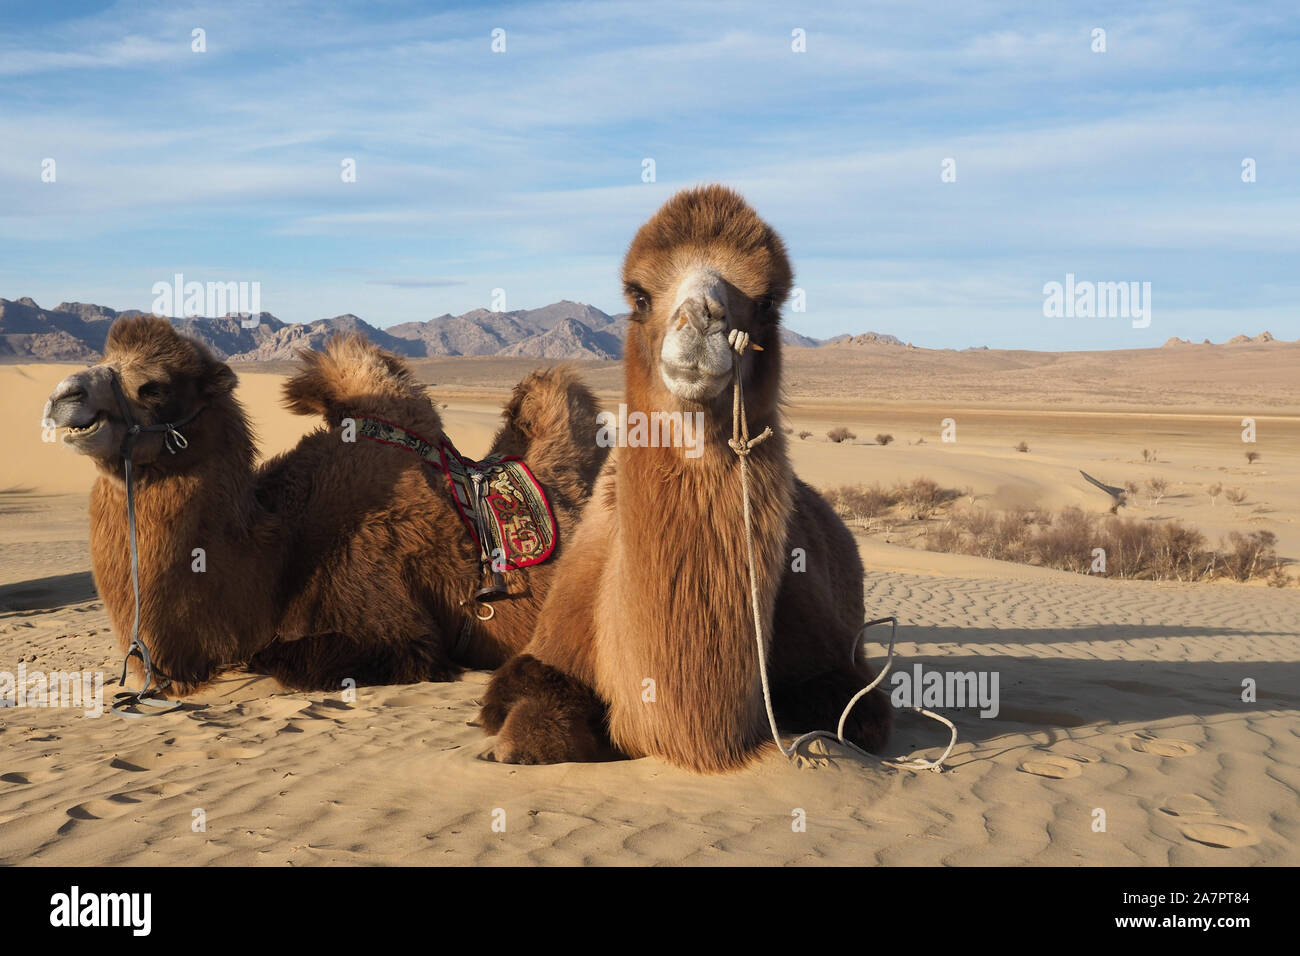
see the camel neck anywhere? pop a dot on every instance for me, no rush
(206, 560)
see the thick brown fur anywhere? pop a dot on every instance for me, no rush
(651, 608)
(332, 561)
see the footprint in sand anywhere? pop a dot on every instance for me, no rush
(275, 708)
(28, 776)
(1224, 834)
(1201, 823)
(1163, 747)
(114, 806)
(160, 760)
(1187, 805)
(1058, 768)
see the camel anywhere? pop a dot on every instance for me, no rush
(336, 560)
(645, 644)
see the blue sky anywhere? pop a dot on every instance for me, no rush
(522, 170)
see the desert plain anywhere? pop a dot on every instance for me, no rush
(1139, 722)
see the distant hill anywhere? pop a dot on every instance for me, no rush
(76, 331)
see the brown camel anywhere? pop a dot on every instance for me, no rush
(338, 559)
(646, 642)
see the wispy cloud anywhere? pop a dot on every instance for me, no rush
(523, 170)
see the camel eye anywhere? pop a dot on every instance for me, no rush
(152, 390)
(640, 300)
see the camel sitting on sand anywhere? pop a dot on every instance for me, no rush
(646, 642)
(340, 559)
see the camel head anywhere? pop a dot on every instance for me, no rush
(704, 264)
(164, 377)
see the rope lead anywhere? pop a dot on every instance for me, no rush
(742, 444)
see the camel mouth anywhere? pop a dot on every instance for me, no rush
(75, 433)
(695, 383)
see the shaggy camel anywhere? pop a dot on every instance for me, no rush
(646, 642)
(338, 559)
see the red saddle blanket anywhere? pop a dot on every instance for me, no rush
(498, 495)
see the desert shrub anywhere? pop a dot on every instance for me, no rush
(945, 537)
(883, 439)
(1179, 553)
(1066, 540)
(921, 497)
(1214, 491)
(804, 434)
(840, 434)
(1235, 495)
(1022, 447)
(1135, 549)
(1246, 556)
(859, 502)
(1131, 489)
(1156, 489)
(1146, 454)
(1252, 457)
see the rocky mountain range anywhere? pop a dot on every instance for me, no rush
(76, 331)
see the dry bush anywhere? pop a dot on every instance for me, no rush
(1246, 556)
(1235, 495)
(1180, 553)
(1156, 489)
(922, 497)
(1131, 489)
(1023, 447)
(858, 502)
(883, 439)
(1146, 454)
(1135, 549)
(840, 434)
(945, 538)
(1067, 541)
(804, 434)
(1214, 491)
(1252, 457)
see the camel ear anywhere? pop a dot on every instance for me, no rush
(220, 379)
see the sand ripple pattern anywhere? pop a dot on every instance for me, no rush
(1118, 697)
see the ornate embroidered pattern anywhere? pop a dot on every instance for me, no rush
(506, 499)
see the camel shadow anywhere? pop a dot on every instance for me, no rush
(1058, 694)
(43, 594)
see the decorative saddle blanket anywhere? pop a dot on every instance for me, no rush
(498, 498)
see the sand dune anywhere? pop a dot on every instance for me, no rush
(1120, 697)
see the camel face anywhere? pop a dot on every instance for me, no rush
(694, 358)
(163, 376)
(705, 264)
(84, 409)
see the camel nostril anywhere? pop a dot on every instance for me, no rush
(68, 392)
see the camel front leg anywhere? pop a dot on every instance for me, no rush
(542, 715)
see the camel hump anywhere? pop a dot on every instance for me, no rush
(550, 398)
(550, 421)
(349, 371)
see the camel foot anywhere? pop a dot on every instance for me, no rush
(542, 715)
(816, 704)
